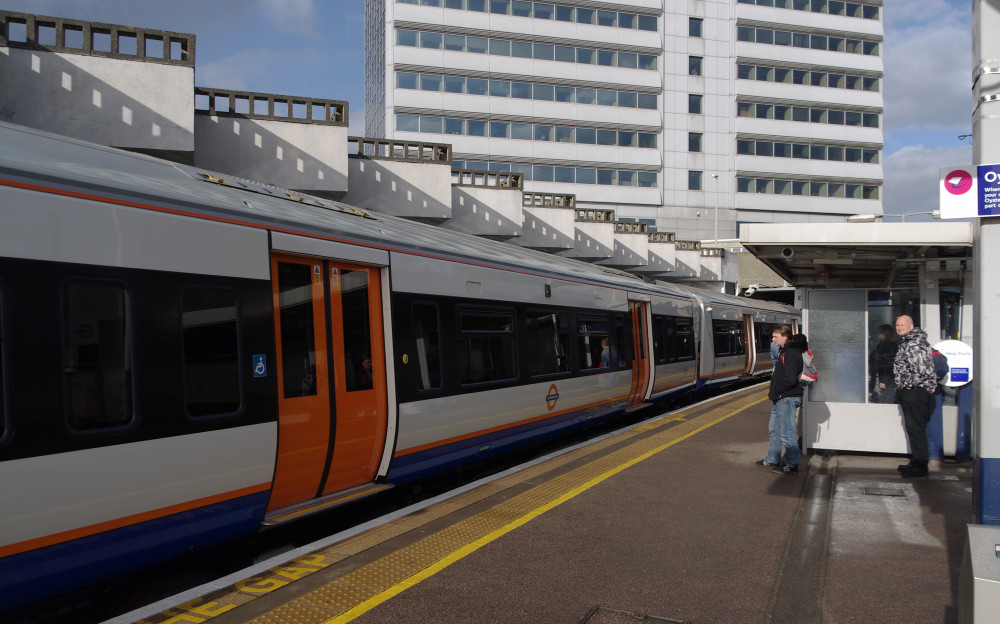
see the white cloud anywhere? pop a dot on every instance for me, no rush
(928, 65)
(911, 177)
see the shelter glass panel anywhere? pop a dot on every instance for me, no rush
(837, 339)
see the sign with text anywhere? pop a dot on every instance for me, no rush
(969, 191)
(989, 190)
(959, 357)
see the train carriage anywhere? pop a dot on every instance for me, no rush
(186, 358)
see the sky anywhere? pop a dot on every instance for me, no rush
(315, 48)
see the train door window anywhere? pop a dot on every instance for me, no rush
(486, 346)
(685, 339)
(426, 333)
(357, 333)
(594, 347)
(547, 340)
(298, 342)
(762, 337)
(98, 372)
(211, 343)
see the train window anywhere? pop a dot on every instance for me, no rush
(298, 342)
(594, 345)
(427, 335)
(98, 373)
(728, 338)
(662, 333)
(685, 339)
(486, 346)
(623, 336)
(3, 368)
(357, 330)
(547, 340)
(209, 317)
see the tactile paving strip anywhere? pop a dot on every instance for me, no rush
(391, 575)
(363, 588)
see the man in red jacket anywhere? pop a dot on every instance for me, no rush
(786, 394)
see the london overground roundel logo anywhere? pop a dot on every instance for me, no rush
(552, 397)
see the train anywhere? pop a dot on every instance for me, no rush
(188, 358)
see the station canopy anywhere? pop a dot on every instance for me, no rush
(857, 255)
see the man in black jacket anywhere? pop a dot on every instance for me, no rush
(786, 394)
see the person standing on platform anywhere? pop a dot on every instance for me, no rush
(881, 365)
(915, 384)
(786, 395)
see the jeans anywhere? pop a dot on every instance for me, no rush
(782, 430)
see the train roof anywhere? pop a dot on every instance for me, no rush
(33, 157)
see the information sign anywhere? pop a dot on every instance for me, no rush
(959, 357)
(989, 190)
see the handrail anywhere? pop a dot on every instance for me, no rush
(488, 179)
(269, 106)
(42, 32)
(549, 200)
(388, 149)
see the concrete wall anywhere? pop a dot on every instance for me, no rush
(122, 103)
(306, 157)
(415, 190)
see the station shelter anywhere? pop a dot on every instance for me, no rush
(852, 278)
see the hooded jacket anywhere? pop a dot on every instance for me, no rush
(914, 364)
(787, 368)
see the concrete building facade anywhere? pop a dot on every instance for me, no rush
(690, 115)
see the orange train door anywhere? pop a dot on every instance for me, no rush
(749, 345)
(331, 401)
(641, 369)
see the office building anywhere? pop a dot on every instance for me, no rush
(691, 115)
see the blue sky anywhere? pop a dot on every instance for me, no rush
(315, 48)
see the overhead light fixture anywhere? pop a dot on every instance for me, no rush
(864, 218)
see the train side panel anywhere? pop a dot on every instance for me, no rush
(130, 440)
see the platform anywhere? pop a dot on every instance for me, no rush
(669, 521)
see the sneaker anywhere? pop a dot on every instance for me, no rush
(764, 463)
(912, 471)
(903, 467)
(786, 469)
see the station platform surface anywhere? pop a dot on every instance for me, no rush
(669, 521)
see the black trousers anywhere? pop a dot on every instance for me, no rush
(916, 414)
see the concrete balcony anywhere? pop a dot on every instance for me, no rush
(662, 255)
(631, 246)
(687, 261)
(114, 85)
(295, 143)
(595, 235)
(408, 179)
(548, 222)
(486, 204)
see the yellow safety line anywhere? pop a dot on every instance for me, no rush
(468, 549)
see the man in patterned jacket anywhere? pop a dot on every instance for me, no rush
(915, 383)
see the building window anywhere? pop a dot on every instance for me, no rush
(694, 65)
(695, 26)
(694, 141)
(694, 180)
(694, 103)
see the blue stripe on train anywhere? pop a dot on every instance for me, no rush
(45, 572)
